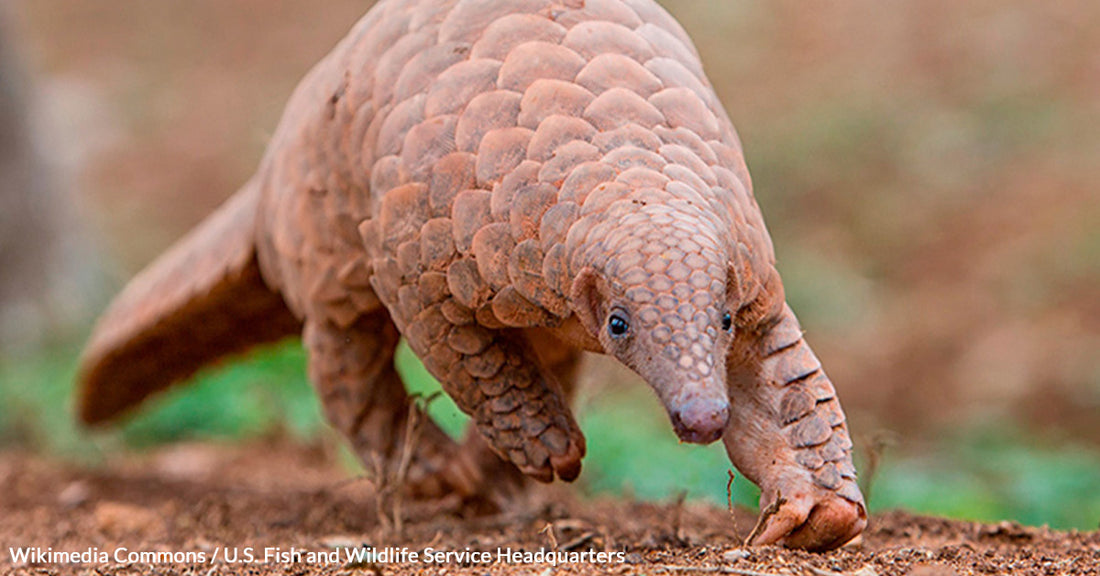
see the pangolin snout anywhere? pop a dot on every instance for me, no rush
(701, 420)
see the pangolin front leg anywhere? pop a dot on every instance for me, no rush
(788, 435)
(495, 377)
(507, 481)
(363, 397)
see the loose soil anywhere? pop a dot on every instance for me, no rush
(204, 498)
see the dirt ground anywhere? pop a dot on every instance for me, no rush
(209, 499)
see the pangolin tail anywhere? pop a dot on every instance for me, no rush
(202, 299)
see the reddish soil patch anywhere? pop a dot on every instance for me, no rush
(205, 499)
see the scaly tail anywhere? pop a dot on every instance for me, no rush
(202, 299)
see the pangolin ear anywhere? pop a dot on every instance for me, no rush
(757, 300)
(589, 297)
(735, 294)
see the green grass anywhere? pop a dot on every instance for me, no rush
(239, 400)
(982, 475)
(997, 475)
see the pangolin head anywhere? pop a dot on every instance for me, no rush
(651, 286)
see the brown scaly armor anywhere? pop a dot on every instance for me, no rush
(505, 183)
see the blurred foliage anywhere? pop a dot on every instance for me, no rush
(982, 475)
(239, 400)
(997, 474)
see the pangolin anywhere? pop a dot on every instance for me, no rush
(504, 183)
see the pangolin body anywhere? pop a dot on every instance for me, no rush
(505, 183)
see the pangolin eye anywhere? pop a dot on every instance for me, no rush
(727, 322)
(618, 325)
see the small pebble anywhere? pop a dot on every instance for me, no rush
(934, 569)
(118, 519)
(187, 462)
(734, 555)
(75, 494)
(341, 542)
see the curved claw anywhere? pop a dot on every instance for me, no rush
(814, 522)
(568, 465)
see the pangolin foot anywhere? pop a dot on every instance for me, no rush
(474, 473)
(809, 517)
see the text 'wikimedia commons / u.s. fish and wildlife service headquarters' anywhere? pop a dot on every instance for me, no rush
(343, 556)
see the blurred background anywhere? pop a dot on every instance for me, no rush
(929, 171)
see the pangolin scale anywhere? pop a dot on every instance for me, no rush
(504, 183)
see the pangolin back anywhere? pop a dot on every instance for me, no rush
(487, 151)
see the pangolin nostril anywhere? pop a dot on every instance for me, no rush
(701, 420)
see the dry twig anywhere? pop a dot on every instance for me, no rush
(873, 450)
(766, 515)
(729, 491)
(414, 427)
(741, 571)
(388, 481)
(677, 515)
(578, 541)
(712, 570)
(729, 498)
(549, 531)
(376, 471)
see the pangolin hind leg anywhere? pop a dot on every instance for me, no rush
(363, 397)
(788, 435)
